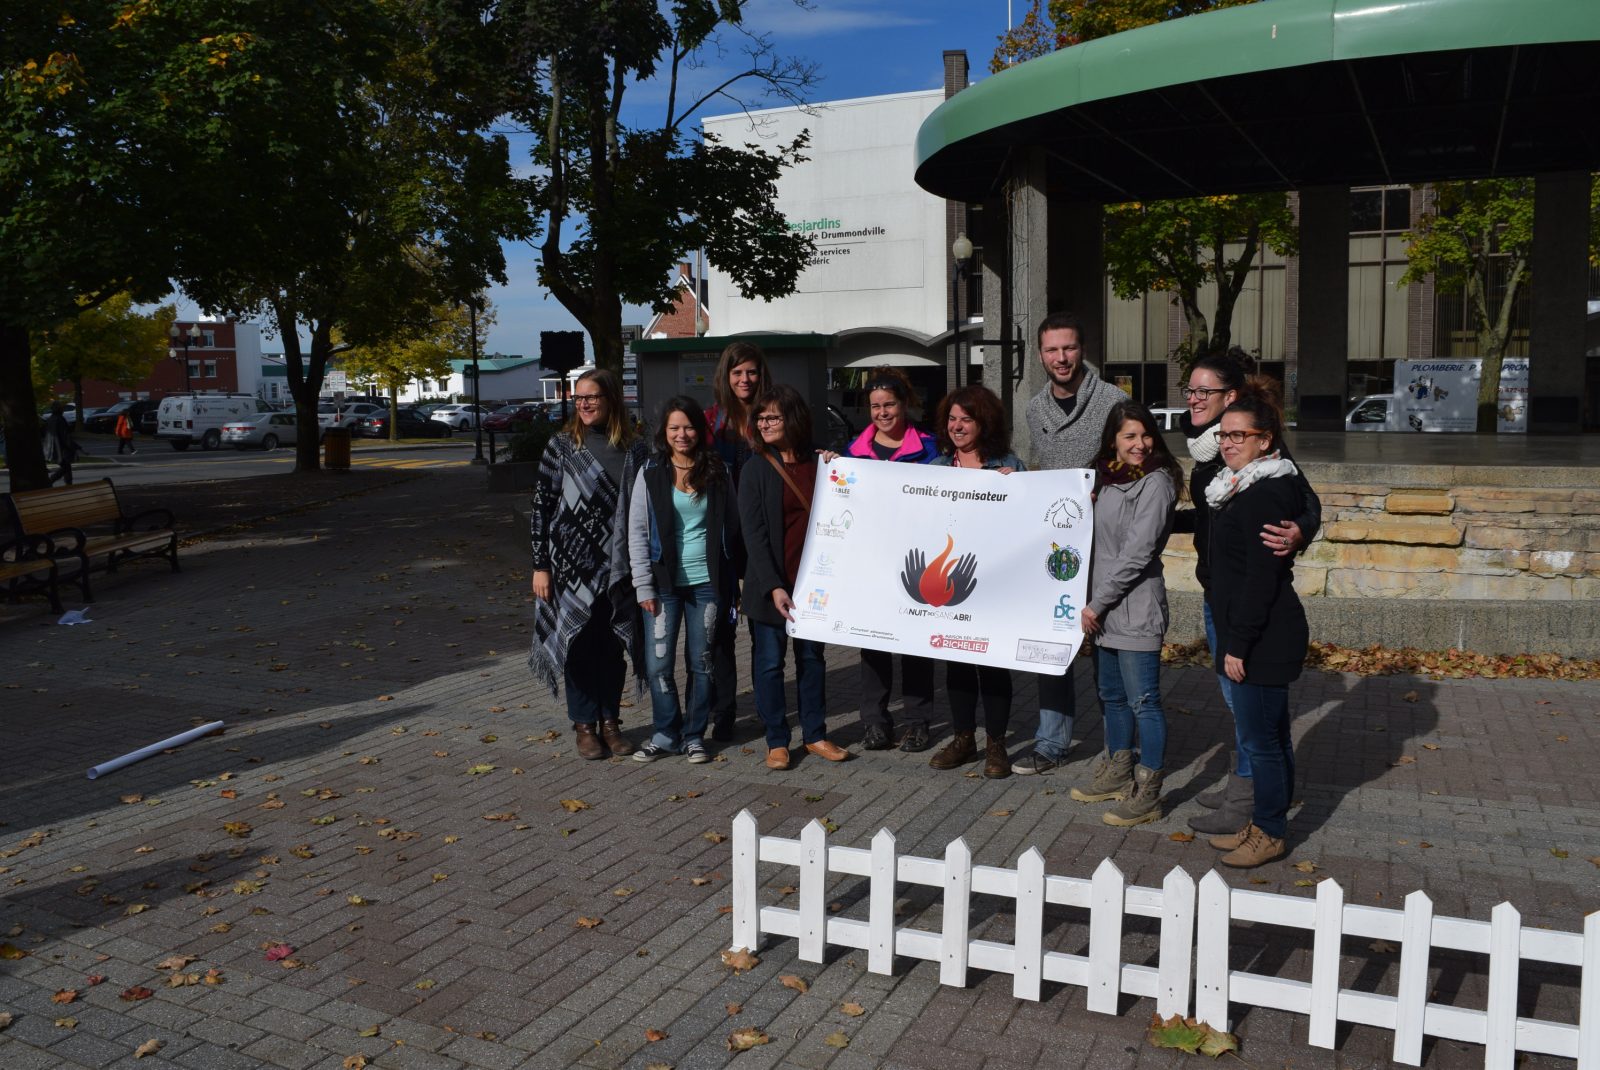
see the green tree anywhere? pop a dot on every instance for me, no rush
(1031, 38)
(620, 204)
(424, 352)
(108, 341)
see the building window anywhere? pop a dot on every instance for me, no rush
(210, 369)
(444, 386)
(208, 339)
(194, 369)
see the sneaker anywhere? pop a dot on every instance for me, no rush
(1034, 764)
(650, 752)
(698, 755)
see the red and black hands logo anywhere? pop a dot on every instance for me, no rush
(944, 581)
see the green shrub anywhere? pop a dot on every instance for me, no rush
(528, 439)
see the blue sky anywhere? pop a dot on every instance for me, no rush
(862, 48)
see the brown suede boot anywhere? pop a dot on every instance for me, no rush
(962, 748)
(589, 746)
(611, 732)
(1255, 849)
(1232, 840)
(996, 762)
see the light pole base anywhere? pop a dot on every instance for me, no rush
(479, 460)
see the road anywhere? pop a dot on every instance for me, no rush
(157, 462)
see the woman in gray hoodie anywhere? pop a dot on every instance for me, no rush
(1137, 482)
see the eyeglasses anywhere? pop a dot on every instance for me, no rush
(587, 399)
(1238, 437)
(1190, 393)
(769, 418)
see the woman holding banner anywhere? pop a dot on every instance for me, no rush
(1136, 486)
(775, 512)
(973, 433)
(890, 437)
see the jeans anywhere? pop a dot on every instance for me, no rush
(696, 609)
(1058, 705)
(965, 682)
(595, 670)
(1241, 759)
(877, 681)
(1130, 693)
(1262, 714)
(768, 644)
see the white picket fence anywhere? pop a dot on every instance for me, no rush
(1184, 955)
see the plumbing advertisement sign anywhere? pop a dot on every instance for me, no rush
(1442, 395)
(948, 563)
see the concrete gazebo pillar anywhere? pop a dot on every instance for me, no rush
(1324, 308)
(1557, 300)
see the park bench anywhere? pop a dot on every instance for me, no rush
(63, 513)
(28, 565)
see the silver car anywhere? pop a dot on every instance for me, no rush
(265, 431)
(460, 417)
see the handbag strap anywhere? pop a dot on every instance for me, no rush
(787, 478)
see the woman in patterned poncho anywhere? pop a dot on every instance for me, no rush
(583, 621)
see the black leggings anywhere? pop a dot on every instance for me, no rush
(965, 682)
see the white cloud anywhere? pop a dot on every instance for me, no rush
(788, 20)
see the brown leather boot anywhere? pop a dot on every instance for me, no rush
(962, 748)
(1256, 849)
(611, 732)
(589, 746)
(996, 762)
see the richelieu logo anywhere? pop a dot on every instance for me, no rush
(944, 581)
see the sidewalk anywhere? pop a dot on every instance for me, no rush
(387, 801)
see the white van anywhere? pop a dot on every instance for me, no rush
(187, 418)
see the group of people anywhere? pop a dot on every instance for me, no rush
(635, 542)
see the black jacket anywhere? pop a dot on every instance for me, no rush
(1258, 615)
(722, 532)
(761, 519)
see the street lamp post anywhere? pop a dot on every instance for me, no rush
(188, 338)
(961, 253)
(477, 407)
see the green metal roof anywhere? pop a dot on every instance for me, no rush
(493, 364)
(1282, 94)
(716, 343)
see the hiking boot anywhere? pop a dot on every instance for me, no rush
(611, 732)
(1034, 764)
(1238, 803)
(1113, 778)
(1141, 806)
(996, 762)
(915, 739)
(875, 738)
(962, 748)
(1255, 848)
(589, 746)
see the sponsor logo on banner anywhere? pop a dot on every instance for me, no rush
(944, 581)
(817, 599)
(1065, 611)
(1039, 652)
(823, 565)
(841, 481)
(836, 527)
(1063, 513)
(1063, 563)
(969, 643)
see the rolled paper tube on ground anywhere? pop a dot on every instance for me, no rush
(155, 748)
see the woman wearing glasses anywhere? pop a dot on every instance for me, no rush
(582, 621)
(1260, 624)
(973, 433)
(775, 513)
(890, 437)
(1215, 382)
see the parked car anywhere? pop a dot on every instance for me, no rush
(186, 418)
(412, 425)
(104, 422)
(265, 430)
(1375, 412)
(459, 417)
(348, 416)
(503, 418)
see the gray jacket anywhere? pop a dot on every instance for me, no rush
(1071, 441)
(1128, 594)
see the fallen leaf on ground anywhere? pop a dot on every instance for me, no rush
(133, 995)
(149, 1047)
(1410, 696)
(95, 979)
(369, 1031)
(354, 1062)
(1558, 852)
(507, 816)
(653, 1035)
(183, 980)
(66, 1023)
(740, 959)
(992, 813)
(5, 1019)
(734, 1008)
(134, 798)
(1181, 837)
(714, 837)
(222, 927)
(1430, 746)
(135, 908)
(572, 806)
(214, 977)
(745, 1039)
(240, 829)
(852, 1010)
(590, 923)
(1405, 759)
(1383, 947)
(1187, 1034)
(1305, 867)
(480, 769)
(357, 900)
(66, 995)
(174, 962)
(836, 1040)
(699, 882)
(425, 984)
(1305, 882)
(278, 952)
(797, 983)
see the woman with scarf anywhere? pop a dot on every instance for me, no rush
(1260, 624)
(741, 375)
(973, 434)
(890, 437)
(583, 622)
(1137, 481)
(683, 523)
(1215, 382)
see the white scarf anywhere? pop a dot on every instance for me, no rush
(1205, 445)
(1228, 482)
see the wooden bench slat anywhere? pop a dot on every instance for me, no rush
(61, 509)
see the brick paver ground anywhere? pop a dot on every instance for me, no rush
(401, 782)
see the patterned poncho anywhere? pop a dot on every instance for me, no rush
(579, 526)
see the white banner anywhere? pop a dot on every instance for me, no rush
(948, 563)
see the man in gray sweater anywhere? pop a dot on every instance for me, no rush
(1065, 423)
